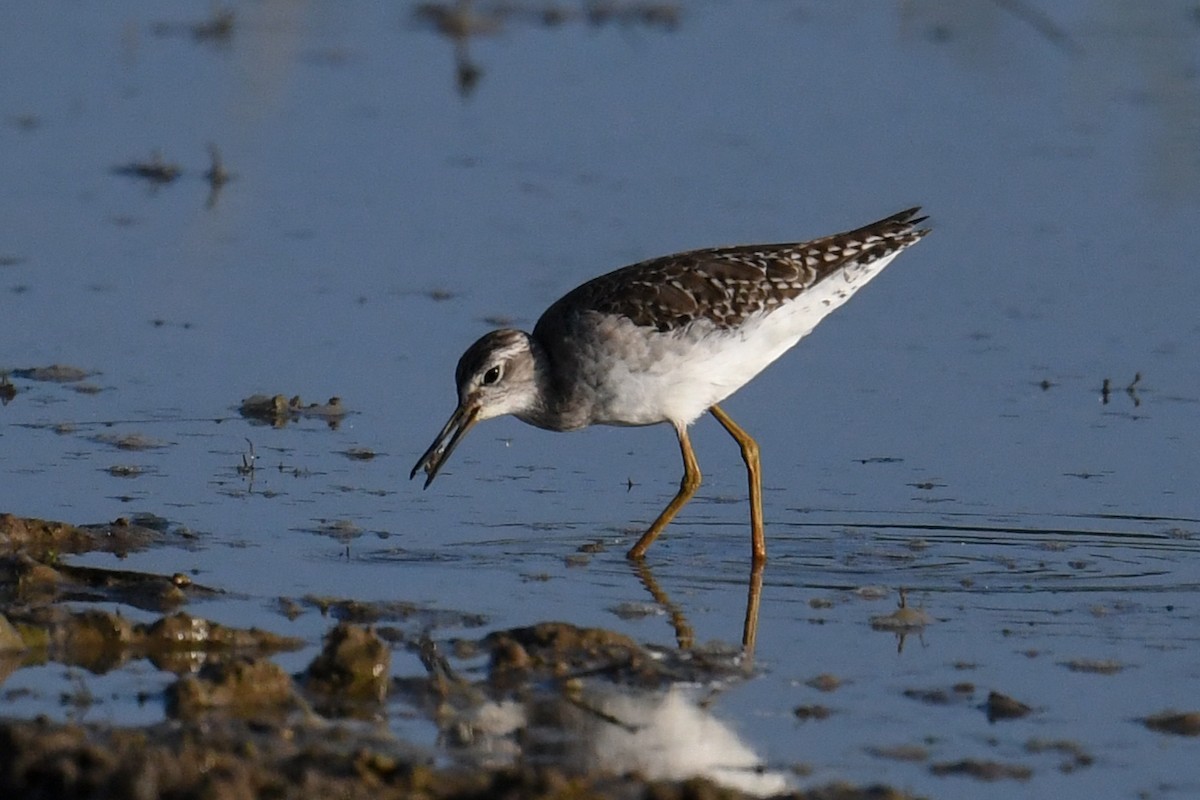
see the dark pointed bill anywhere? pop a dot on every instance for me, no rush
(460, 422)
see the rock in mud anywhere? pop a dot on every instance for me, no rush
(353, 667)
(100, 641)
(557, 650)
(277, 410)
(10, 638)
(45, 539)
(244, 688)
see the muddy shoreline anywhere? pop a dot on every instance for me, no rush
(235, 724)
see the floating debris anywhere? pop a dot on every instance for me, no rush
(1106, 390)
(7, 390)
(958, 695)
(129, 441)
(982, 770)
(634, 611)
(341, 529)
(216, 175)
(156, 170)
(1131, 390)
(811, 712)
(25, 122)
(218, 28)
(1001, 706)
(1180, 723)
(461, 21)
(55, 373)
(277, 410)
(903, 619)
(1040, 22)
(650, 14)
(249, 462)
(901, 752)
(125, 471)
(1094, 666)
(1076, 756)
(824, 682)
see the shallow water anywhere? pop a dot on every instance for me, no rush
(945, 433)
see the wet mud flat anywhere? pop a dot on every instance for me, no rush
(521, 712)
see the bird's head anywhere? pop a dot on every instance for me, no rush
(495, 376)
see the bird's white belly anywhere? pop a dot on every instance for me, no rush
(676, 376)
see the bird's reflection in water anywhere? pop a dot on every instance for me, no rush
(665, 734)
(596, 702)
(684, 635)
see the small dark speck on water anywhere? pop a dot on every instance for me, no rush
(499, 321)
(155, 170)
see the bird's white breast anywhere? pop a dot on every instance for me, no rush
(639, 376)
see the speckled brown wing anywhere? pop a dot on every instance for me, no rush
(725, 285)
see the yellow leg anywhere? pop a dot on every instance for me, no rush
(753, 599)
(687, 488)
(758, 542)
(684, 636)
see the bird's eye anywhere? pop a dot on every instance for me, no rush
(491, 376)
